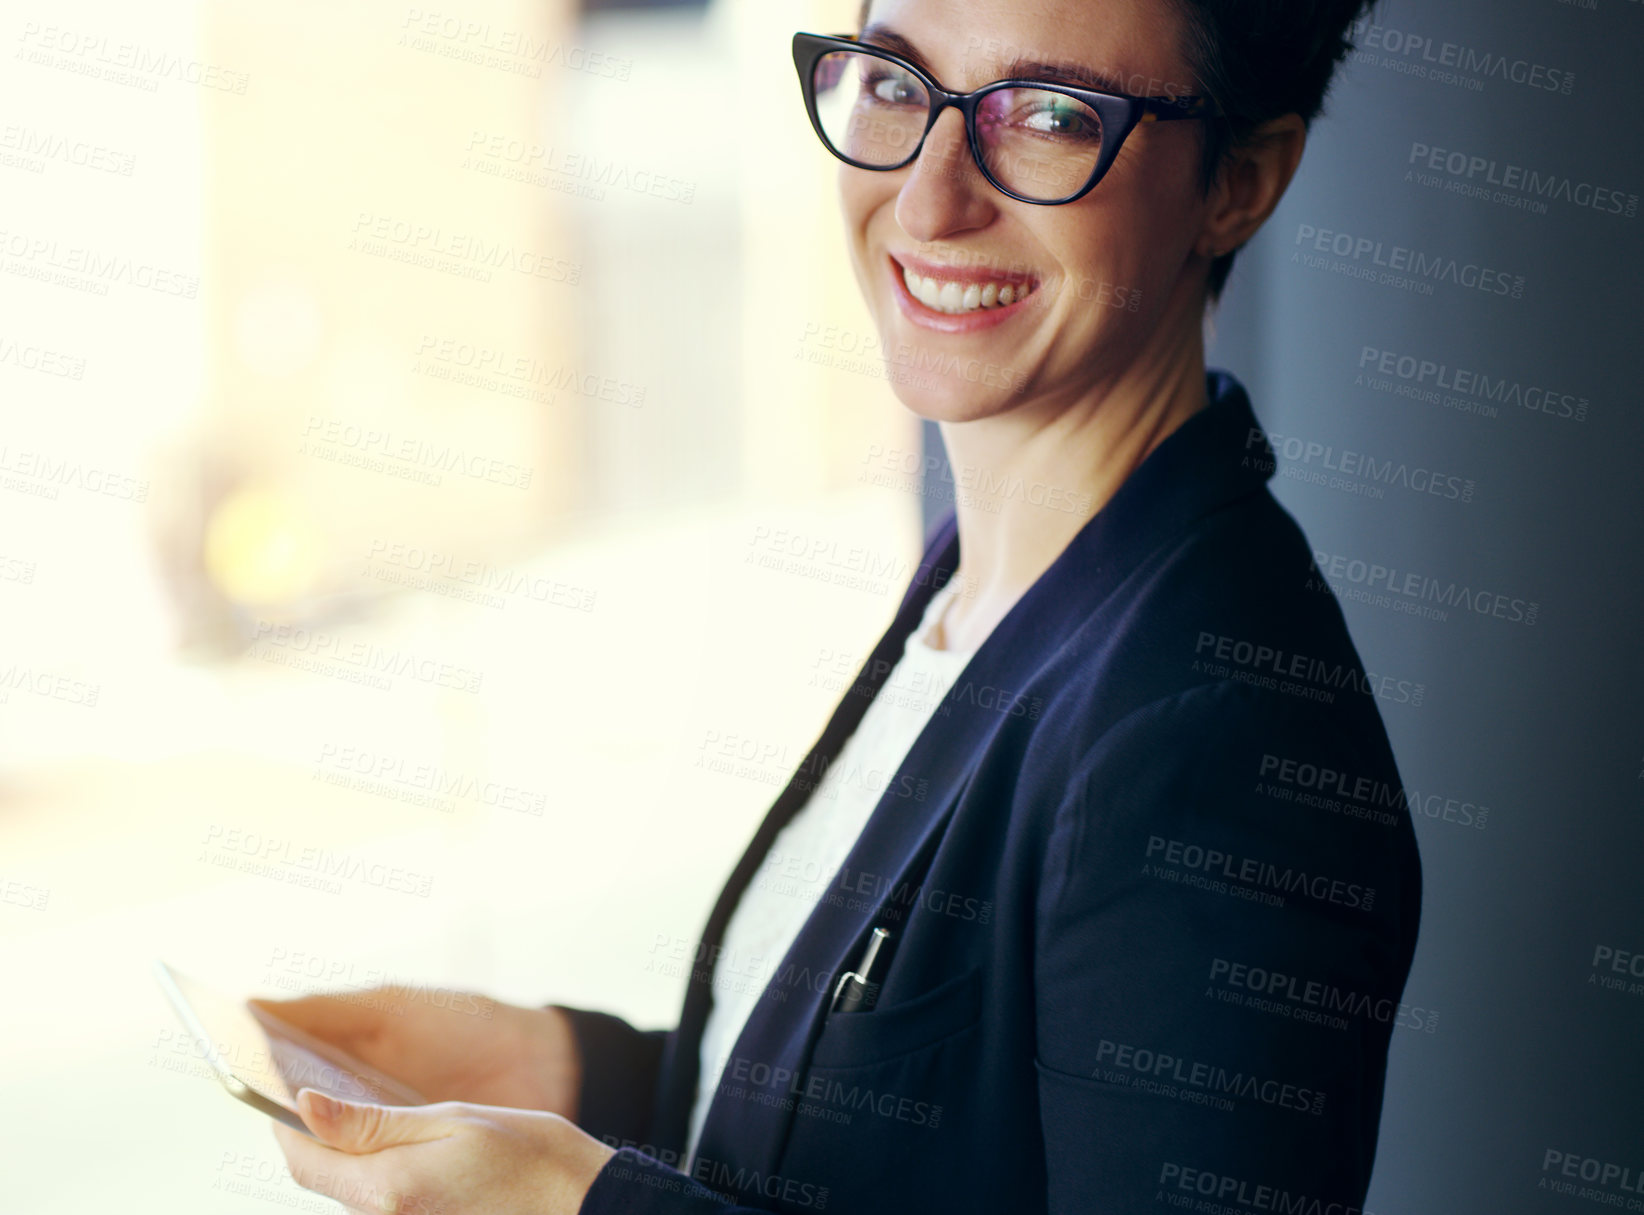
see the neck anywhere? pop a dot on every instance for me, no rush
(1055, 463)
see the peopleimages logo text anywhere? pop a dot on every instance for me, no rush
(1416, 263)
(1350, 463)
(1317, 672)
(1470, 382)
(1160, 1065)
(1418, 49)
(1267, 874)
(1465, 166)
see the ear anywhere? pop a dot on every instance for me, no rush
(1250, 184)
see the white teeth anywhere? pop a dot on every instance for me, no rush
(961, 297)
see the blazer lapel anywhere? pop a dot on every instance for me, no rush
(769, 1060)
(1216, 456)
(679, 1079)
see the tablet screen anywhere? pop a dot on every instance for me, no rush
(271, 1058)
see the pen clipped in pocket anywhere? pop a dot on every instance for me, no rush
(893, 1030)
(858, 988)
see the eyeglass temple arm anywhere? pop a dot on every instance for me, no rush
(1165, 109)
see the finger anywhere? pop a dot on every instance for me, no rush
(360, 1127)
(359, 1183)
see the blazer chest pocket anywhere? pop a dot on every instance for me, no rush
(889, 1031)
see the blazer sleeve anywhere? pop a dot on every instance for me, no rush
(1218, 961)
(620, 1068)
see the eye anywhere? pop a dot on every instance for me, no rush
(1061, 118)
(892, 87)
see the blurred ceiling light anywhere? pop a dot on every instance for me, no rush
(261, 547)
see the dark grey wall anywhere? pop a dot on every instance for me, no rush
(1533, 1067)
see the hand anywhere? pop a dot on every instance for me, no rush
(464, 1048)
(445, 1159)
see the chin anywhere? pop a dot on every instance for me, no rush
(939, 397)
(948, 379)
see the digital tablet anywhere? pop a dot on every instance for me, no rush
(265, 1062)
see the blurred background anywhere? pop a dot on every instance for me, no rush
(417, 474)
(449, 479)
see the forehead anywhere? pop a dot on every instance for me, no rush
(1121, 46)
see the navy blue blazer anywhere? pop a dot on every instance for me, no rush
(1154, 891)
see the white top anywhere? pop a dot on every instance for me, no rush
(807, 853)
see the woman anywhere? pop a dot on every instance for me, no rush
(1148, 892)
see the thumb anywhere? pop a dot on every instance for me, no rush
(361, 1126)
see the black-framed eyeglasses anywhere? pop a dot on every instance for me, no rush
(1034, 140)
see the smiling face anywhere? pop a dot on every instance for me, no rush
(989, 303)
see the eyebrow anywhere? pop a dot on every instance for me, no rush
(1019, 68)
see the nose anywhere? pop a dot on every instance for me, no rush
(945, 193)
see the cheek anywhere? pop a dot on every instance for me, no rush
(860, 194)
(1109, 258)
(1135, 235)
(1172, 203)
(1142, 254)
(1118, 263)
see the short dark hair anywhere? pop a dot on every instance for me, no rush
(1258, 59)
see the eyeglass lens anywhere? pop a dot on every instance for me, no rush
(1037, 143)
